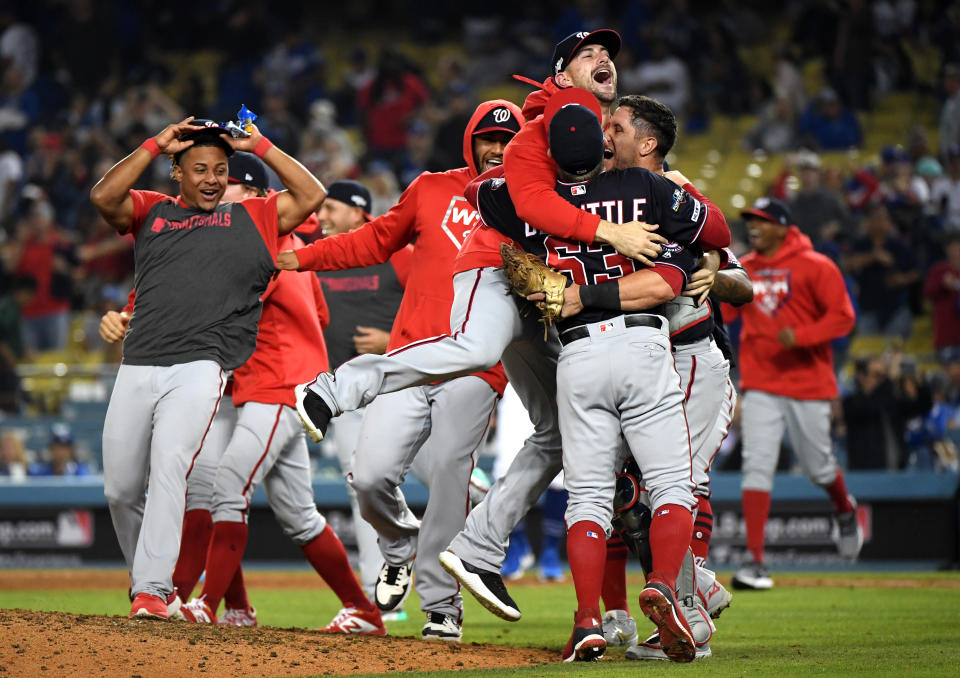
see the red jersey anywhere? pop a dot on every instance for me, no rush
(801, 289)
(946, 305)
(290, 347)
(36, 260)
(433, 215)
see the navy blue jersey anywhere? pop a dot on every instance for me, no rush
(619, 196)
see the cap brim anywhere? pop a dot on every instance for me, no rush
(494, 128)
(607, 37)
(760, 214)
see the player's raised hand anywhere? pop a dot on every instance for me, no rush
(247, 143)
(701, 282)
(288, 261)
(169, 139)
(634, 239)
(113, 326)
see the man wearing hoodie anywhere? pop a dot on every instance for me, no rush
(787, 379)
(448, 421)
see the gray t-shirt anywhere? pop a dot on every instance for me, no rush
(198, 279)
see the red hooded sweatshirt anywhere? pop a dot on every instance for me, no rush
(433, 215)
(803, 290)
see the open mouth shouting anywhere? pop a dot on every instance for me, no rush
(602, 75)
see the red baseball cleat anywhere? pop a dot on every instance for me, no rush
(660, 606)
(149, 606)
(586, 643)
(198, 612)
(352, 620)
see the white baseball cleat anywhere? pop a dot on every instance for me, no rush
(239, 617)
(314, 413)
(753, 576)
(441, 626)
(619, 629)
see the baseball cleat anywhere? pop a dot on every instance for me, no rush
(352, 620)
(718, 600)
(619, 628)
(849, 534)
(660, 606)
(753, 576)
(246, 616)
(487, 587)
(586, 643)
(314, 413)
(650, 649)
(149, 606)
(198, 612)
(393, 585)
(441, 626)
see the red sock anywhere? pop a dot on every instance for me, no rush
(236, 596)
(328, 557)
(197, 528)
(614, 592)
(702, 530)
(587, 553)
(670, 531)
(227, 545)
(756, 509)
(838, 494)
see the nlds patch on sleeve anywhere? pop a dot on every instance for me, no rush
(679, 197)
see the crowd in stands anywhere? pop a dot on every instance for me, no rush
(84, 82)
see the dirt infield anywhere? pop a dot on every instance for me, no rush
(53, 643)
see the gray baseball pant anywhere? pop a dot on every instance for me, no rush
(449, 422)
(155, 427)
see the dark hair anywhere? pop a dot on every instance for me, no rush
(651, 117)
(566, 177)
(205, 140)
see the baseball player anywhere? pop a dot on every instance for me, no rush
(709, 396)
(269, 446)
(787, 376)
(363, 304)
(246, 178)
(448, 419)
(180, 341)
(590, 484)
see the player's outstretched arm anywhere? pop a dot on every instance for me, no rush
(111, 195)
(304, 191)
(733, 286)
(638, 291)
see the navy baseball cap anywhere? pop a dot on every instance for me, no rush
(572, 119)
(498, 119)
(352, 193)
(248, 169)
(566, 48)
(209, 129)
(769, 209)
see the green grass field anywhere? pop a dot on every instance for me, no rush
(868, 629)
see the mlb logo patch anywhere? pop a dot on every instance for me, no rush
(592, 534)
(578, 190)
(606, 326)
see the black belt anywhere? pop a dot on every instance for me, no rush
(581, 331)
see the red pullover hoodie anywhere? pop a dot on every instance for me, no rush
(433, 215)
(803, 290)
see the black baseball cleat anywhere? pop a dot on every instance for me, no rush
(313, 412)
(393, 585)
(487, 587)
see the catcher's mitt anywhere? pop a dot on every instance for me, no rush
(528, 275)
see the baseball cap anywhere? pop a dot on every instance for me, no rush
(352, 193)
(567, 47)
(208, 128)
(246, 168)
(498, 119)
(61, 433)
(769, 209)
(572, 119)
